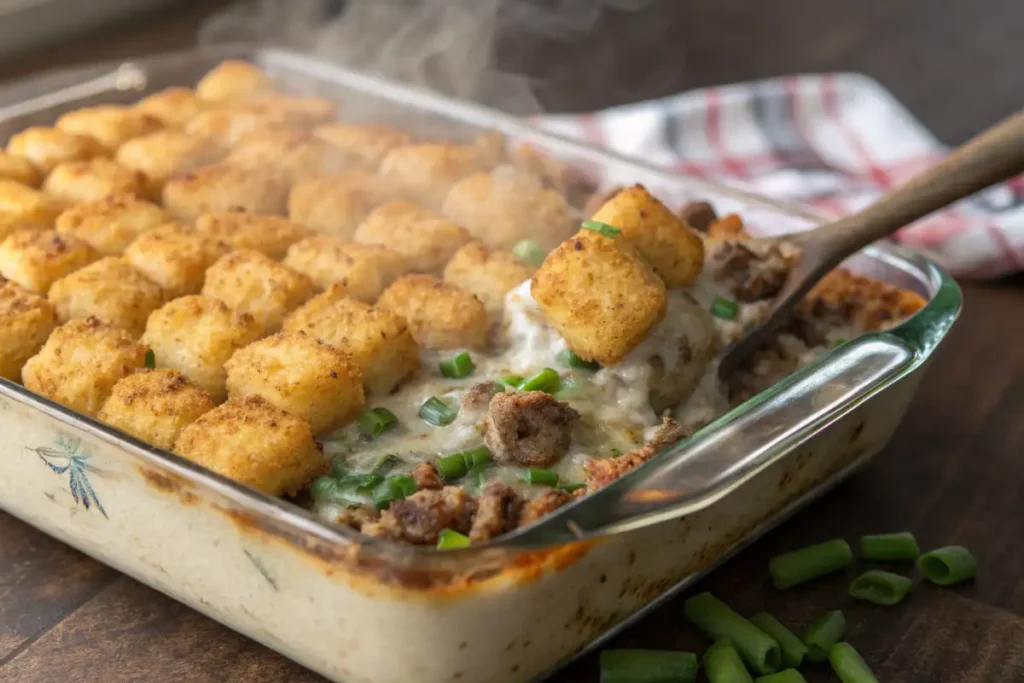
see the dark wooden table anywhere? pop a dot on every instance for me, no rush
(954, 473)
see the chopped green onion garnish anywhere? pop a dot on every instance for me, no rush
(799, 566)
(547, 380)
(477, 457)
(530, 252)
(448, 539)
(323, 488)
(880, 588)
(451, 467)
(603, 228)
(150, 359)
(949, 565)
(848, 665)
(722, 664)
(376, 421)
(403, 483)
(436, 412)
(512, 381)
(385, 464)
(823, 633)
(339, 468)
(717, 620)
(570, 360)
(724, 308)
(393, 488)
(897, 547)
(792, 648)
(569, 488)
(648, 666)
(360, 482)
(540, 477)
(460, 365)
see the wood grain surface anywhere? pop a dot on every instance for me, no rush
(954, 473)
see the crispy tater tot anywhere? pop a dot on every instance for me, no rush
(365, 269)
(487, 274)
(295, 155)
(26, 320)
(426, 172)
(335, 204)
(222, 187)
(271, 235)
(364, 146)
(110, 224)
(46, 147)
(425, 239)
(232, 79)
(35, 259)
(175, 257)
(249, 282)
(23, 208)
(78, 182)
(172, 106)
(440, 316)
(109, 124)
(109, 290)
(18, 169)
(167, 152)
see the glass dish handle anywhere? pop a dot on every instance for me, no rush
(699, 471)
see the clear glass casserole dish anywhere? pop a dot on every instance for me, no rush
(509, 610)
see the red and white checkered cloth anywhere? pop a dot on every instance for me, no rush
(832, 142)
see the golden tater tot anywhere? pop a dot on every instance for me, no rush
(661, 237)
(18, 169)
(167, 152)
(295, 155)
(109, 225)
(249, 282)
(23, 208)
(296, 111)
(426, 172)
(173, 106)
(335, 204)
(232, 79)
(299, 374)
(26, 320)
(155, 406)
(255, 443)
(35, 259)
(271, 235)
(196, 335)
(364, 146)
(425, 239)
(109, 290)
(222, 187)
(109, 124)
(487, 274)
(175, 257)
(440, 316)
(365, 269)
(78, 182)
(46, 147)
(81, 362)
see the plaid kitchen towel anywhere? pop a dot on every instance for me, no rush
(833, 142)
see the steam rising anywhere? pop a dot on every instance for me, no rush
(444, 45)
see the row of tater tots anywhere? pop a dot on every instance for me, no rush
(274, 266)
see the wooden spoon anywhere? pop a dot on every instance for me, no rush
(991, 157)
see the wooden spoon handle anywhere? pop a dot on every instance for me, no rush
(991, 157)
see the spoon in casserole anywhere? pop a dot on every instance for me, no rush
(991, 157)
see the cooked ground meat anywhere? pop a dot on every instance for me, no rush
(426, 476)
(542, 505)
(698, 215)
(497, 511)
(355, 516)
(600, 473)
(753, 274)
(529, 428)
(421, 517)
(479, 396)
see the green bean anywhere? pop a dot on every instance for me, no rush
(717, 620)
(880, 588)
(792, 648)
(784, 676)
(808, 563)
(949, 565)
(849, 665)
(722, 664)
(897, 547)
(648, 666)
(823, 633)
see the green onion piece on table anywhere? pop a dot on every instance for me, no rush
(448, 539)
(723, 308)
(547, 380)
(451, 467)
(511, 381)
(460, 365)
(648, 666)
(717, 620)
(722, 664)
(793, 649)
(570, 487)
(376, 421)
(848, 665)
(477, 457)
(530, 252)
(603, 228)
(823, 633)
(808, 563)
(899, 547)
(784, 676)
(949, 565)
(539, 477)
(569, 359)
(436, 412)
(880, 588)
(150, 359)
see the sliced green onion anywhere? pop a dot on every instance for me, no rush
(150, 360)
(451, 467)
(403, 483)
(539, 477)
(880, 588)
(436, 412)
(793, 649)
(570, 487)
(897, 547)
(448, 540)
(648, 666)
(511, 381)
(949, 565)
(376, 421)
(477, 457)
(808, 563)
(323, 488)
(724, 308)
(848, 665)
(360, 482)
(339, 467)
(722, 664)
(547, 380)
(717, 620)
(603, 228)
(784, 676)
(393, 488)
(385, 464)
(570, 360)
(823, 633)
(460, 365)
(530, 252)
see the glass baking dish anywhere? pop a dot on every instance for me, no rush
(510, 610)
